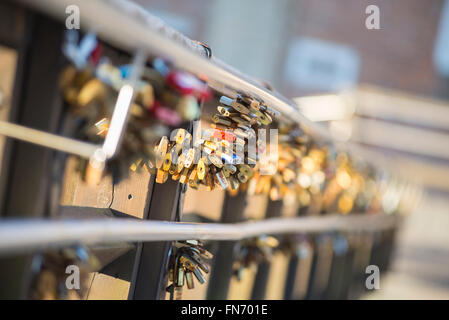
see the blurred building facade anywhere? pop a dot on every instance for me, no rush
(309, 46)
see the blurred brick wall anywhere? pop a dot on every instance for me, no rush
(398, 56)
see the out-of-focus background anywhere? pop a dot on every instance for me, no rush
(310, 47)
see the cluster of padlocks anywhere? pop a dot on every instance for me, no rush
(164, 98)
(187, 261)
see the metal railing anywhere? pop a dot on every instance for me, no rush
(16, 235)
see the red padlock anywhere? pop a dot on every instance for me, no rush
(96, 54)
(187, 84)
(224, 135)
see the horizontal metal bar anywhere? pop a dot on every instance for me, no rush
(113, 138)
(19, 235)
(400, 137)
(346, 112)
(378, 103)
(49, 140)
